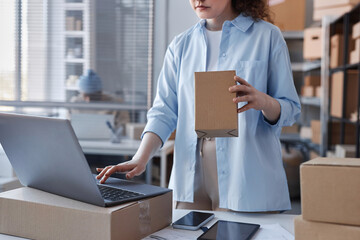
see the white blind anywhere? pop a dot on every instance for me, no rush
(61, 39)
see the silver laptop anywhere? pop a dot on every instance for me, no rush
(82, 122)
(46, 155)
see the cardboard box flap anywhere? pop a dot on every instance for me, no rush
(37, 196)
(345, 162)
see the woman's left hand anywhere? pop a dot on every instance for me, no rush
(255, 100)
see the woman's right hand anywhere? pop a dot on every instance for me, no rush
(134, 167)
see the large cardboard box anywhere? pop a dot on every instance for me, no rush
(35, 214)
(337, 50)
(312, 43)
(331, 11)
(215, 112)
(337, 91)
(330, 190)
(307, 230)
(333, 3)
(288, 15)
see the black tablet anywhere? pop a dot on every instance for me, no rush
(230, 230)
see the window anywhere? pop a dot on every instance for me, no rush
(54, 42)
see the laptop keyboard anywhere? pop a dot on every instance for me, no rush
(115, 194)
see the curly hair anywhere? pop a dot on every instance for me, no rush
(257, 9)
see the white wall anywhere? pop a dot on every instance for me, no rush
(171, 18)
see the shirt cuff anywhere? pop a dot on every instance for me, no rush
(160, 128)
(284, 108)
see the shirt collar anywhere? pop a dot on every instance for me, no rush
(242, 22)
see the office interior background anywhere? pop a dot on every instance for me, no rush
(46, 46)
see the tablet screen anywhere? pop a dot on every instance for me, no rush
(230, 230)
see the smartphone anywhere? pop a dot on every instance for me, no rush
(230, 231)
(193, 220)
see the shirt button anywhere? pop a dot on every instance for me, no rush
(224, 54)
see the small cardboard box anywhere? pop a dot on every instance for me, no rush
(350, 130)
(345, 151)
(356, 31)
(337, 50)
(333, 3)
(35, 214)
(337, 91)
(312, 43)
(330, 190)
(331, 11)
(215, 112)
(307, 230)
(312, 80)
(134, 130)
(288, 15)
(308, 91)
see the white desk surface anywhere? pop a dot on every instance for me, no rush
(285, 220)
(125, 147)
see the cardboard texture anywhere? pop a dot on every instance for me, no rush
(312, 80)
(215, 112)
(330, 190)
(134, 130)
(308, 91)
(307, 230)
(312, 43)
(356, 31)
(350, 130)
(337, 50)
(331, 11)
(35, 214)
(333, 3)
(289, 15)
(337, 91)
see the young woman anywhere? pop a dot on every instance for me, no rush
(243, 173)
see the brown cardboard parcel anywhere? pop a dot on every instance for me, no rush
(305, 230)
(331, 11)
(215, 112)
(333, 3)
(312, 43)
(288, 15)
(337, 91)
(330, 190)
(34, 214)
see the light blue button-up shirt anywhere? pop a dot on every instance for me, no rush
(250, 170)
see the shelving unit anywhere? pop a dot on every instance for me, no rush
(77, 41)
(342, 25)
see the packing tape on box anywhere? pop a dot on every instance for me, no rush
(144, 217)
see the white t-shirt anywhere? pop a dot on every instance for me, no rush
(213, 44)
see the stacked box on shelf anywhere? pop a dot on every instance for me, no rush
(288, 15)
(355, 51)
(329, 199)
(350, 133)
(337, 91)
(311, 87)
(332, 7)
(312, 43)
